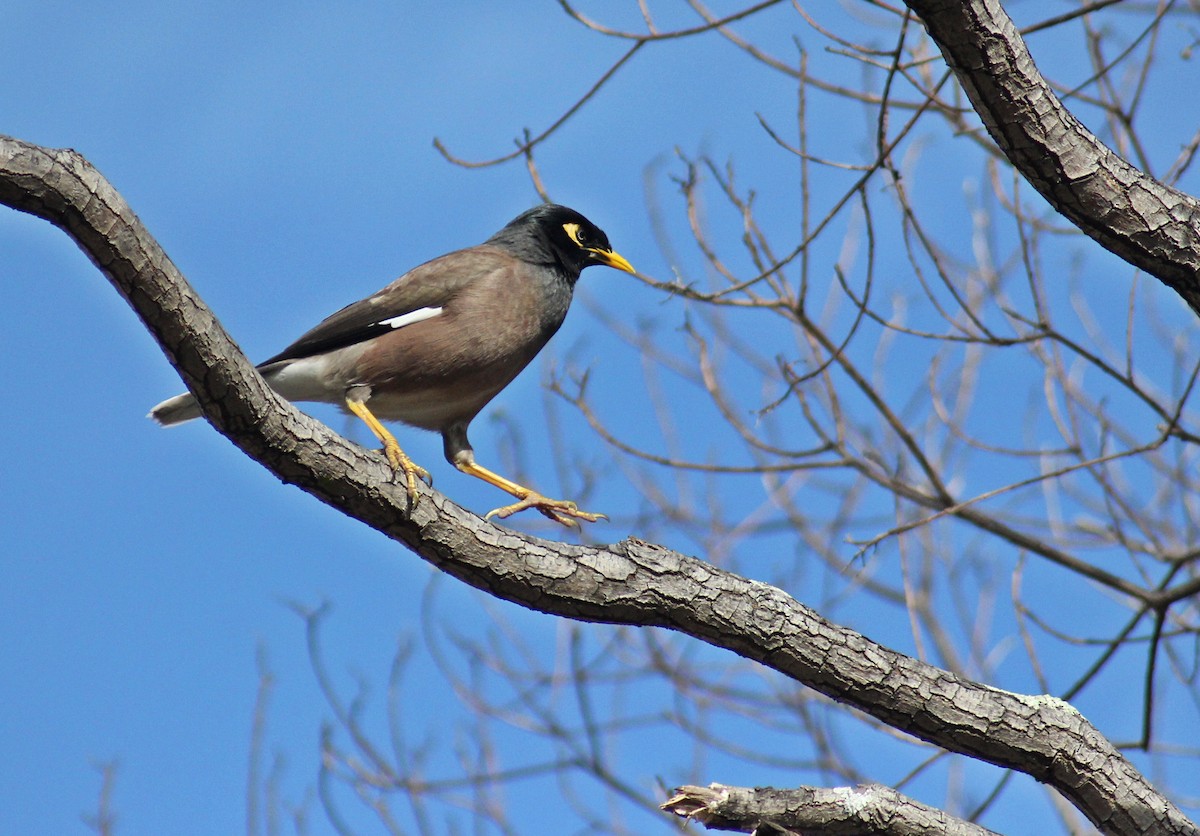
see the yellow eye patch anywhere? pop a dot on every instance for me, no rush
(573, 231)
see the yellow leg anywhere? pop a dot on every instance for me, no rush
(391, 448)
(560, 510)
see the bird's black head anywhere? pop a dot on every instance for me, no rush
(555, 235)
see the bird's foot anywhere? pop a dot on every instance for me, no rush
(412, 471)
(560, 510)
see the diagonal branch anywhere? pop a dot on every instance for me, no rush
(631, 582)
(1152, 226)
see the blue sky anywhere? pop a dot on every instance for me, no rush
(283, 157)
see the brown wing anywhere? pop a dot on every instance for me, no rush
(432, 285)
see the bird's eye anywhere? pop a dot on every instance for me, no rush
(575, 233)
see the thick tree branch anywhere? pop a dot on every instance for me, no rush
(631, 582)
(1152, 226)
(854, 811)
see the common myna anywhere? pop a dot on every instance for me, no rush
(434, 346)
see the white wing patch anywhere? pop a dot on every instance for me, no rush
(419, 315)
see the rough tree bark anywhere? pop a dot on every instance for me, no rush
(1152, 226)
(854, 811)
(631, 582)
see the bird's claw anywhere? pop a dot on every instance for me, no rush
(562, 511)
(412, 471)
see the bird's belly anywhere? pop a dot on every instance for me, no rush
(434, 407)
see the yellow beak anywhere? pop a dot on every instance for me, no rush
(612, 259)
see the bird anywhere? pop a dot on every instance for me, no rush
(432, 348)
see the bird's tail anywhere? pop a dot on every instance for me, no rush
(296, 380)
(176, 410)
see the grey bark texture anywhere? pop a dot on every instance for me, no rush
(1150, 225)
(837, 811)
